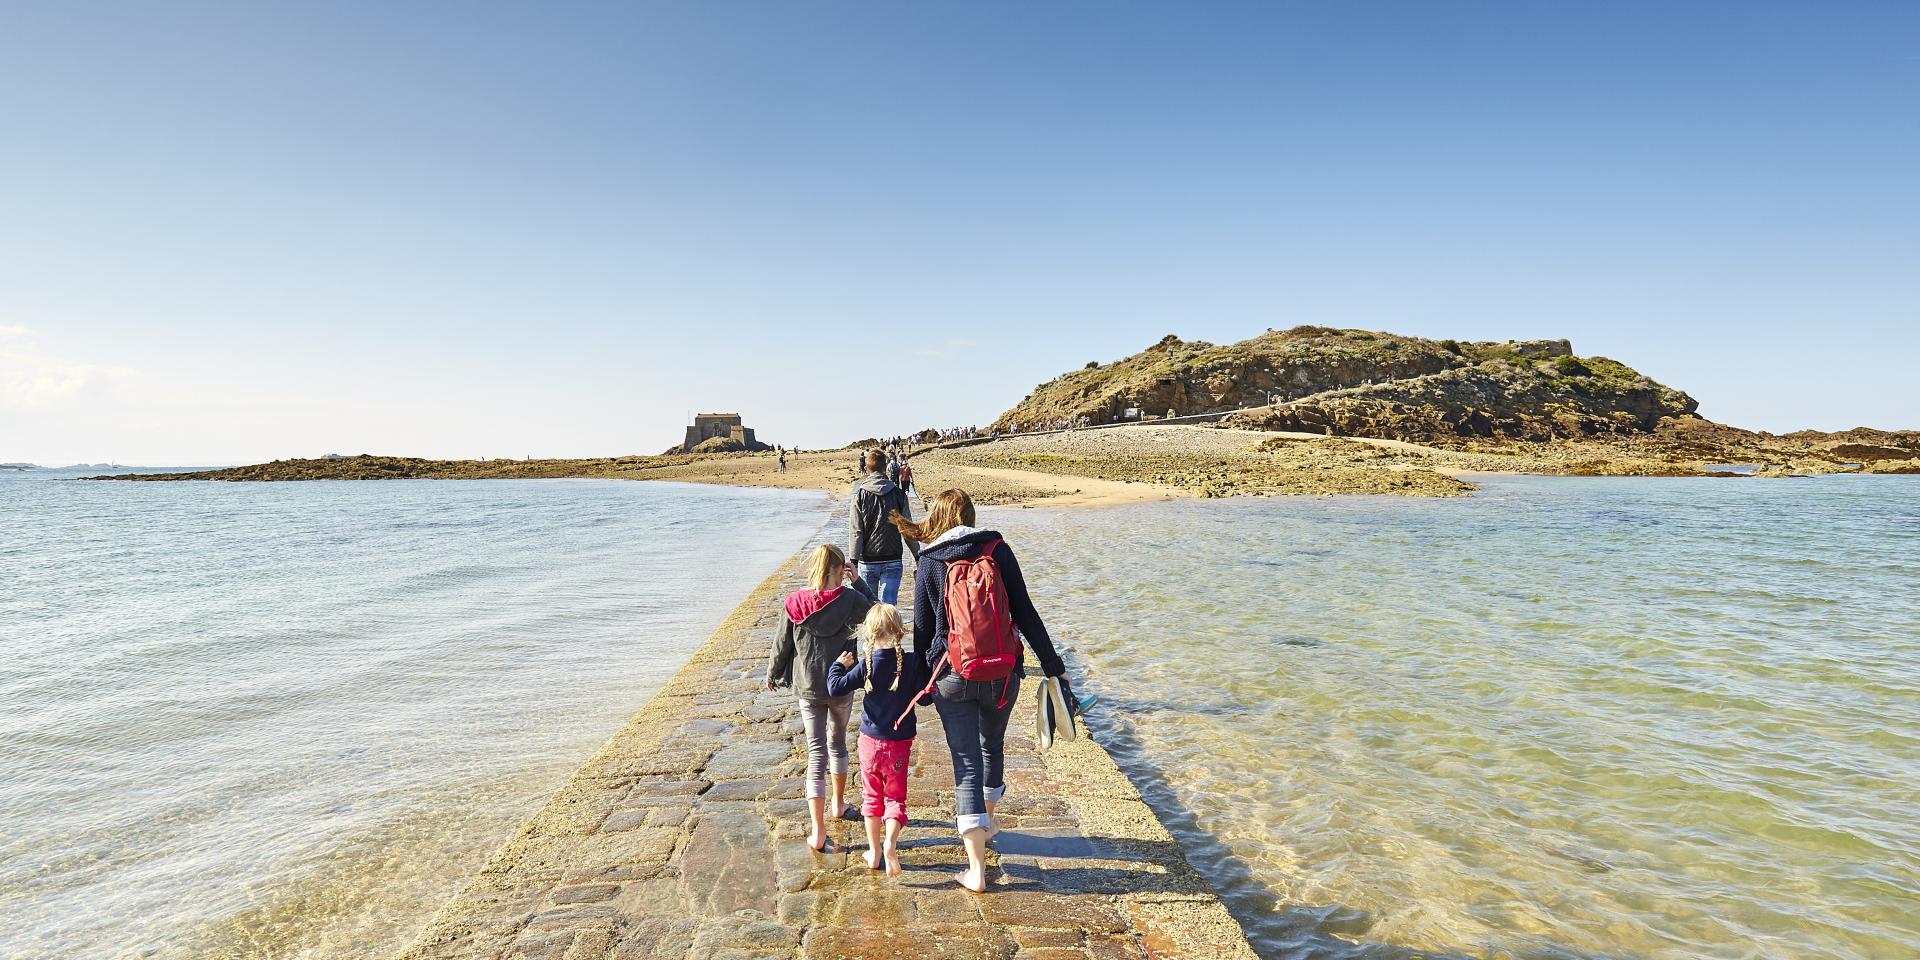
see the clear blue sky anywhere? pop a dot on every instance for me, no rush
(231, 232)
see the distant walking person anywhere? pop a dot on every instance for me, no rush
(873, 543)
(821, 623)
(783, 459)
(970, 609)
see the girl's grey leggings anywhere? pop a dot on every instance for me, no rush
(826, 724)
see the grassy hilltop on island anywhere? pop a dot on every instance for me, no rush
(1362, 383)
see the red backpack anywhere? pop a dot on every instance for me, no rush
(981, 641)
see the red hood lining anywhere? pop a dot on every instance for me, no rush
(802, 604)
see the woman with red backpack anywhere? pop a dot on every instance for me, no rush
(970, 609)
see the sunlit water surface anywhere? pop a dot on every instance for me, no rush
(1655, 719)
(288, 720)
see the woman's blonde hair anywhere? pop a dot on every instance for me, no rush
(823, 568)
(948, 509)
(883, 633)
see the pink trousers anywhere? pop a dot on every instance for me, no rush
(883, 775)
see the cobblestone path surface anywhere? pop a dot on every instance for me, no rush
(683, 838)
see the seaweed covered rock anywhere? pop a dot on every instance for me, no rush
(1517, 399)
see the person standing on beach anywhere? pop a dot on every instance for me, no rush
(873, 543)
(985, 604)
(821, 622)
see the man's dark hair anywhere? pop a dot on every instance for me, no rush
(875, 460)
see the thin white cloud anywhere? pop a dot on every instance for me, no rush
(947, 348)
(30, 379)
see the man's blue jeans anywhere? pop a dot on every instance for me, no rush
(882, 580)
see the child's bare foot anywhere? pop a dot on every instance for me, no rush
(872, 857)
(893, 861)
(975, 880)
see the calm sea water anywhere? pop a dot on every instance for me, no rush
(1564, 718)
(1560, 719)
(288, 720)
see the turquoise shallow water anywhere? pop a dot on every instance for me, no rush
(287, 720)
(1578, 718)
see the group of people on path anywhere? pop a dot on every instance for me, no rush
(894, 464)
(971, 613)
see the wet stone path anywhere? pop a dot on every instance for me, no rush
(683, 838)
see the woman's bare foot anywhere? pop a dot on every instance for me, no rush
(972, 879)
(893, 861)
(818, 842)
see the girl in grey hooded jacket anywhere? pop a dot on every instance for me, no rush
(821, 623)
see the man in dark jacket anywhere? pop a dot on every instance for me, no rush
(873, 544)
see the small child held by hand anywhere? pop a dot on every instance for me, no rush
(893, 679)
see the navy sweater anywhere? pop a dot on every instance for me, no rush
(930, 600)
(881, 706)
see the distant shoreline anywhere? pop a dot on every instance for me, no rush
(1156, 462)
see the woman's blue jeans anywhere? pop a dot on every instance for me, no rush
(976, 737)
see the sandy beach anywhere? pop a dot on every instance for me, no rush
(833, 471)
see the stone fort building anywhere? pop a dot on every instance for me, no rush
(727, 426)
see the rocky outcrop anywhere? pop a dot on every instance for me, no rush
(1363, 383)
(1520, 399)
(1197, 377)
(368, 467)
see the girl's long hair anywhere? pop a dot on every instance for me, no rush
(948, 509)
(883, 633)
(823, 568)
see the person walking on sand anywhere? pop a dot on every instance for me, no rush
(820, 623)
(872, 542)
(970, 609)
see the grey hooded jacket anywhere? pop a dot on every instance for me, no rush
(870, 538)
(814, 632)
